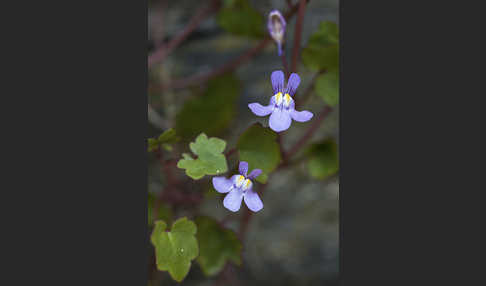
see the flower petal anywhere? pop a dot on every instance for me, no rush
(255, 173)
(277, 78)
(222, 185)
(301, 116)
(276, 27)
(280, 120)
(259, 109)
(271, 18)
(232, 201)
(272, 102)
(243, 168)
(253, 201)
(293, 84)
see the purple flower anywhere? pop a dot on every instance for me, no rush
(276, 27)
(282, 106)
(239, 188)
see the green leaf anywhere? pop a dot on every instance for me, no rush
(167, 147)
(210, 112)
(169, 136)
(164, 212)
(322, 49)
(327, 87)
(210, 160)
(165, 139)
(174, 250)
(216, 246)
(258, 146)
(324, 159)
(153, 144)
(239, 18)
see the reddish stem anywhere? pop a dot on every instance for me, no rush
(158, 39)
(245, 221)
(280, 144)
(308, 134)
(160, 54)
(229, 66)
(298, 35)
(230, 152)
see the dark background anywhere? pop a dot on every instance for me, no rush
(74, 199)
(295, 240)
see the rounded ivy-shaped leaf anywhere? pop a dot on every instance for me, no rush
(323, 159)
(153, 144)
(210, 158)
(216, 246)
(175, 249)
(165, 139)
(327, 87)
(239, 18)
(168, 136)
(258, 146)
(322, 49)
(210, 112)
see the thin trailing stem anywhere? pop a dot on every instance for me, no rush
(161, 53)
(310, 132)
(246, 218)
(280, 144)
(171, 181)
(285, 65)
(227, 67)
(298, 35)
(159, 56)
(158, 38)
(230, 152)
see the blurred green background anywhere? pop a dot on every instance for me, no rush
(294, 240)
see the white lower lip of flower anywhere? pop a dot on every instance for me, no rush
(287, 99)
(247, 185)
(239, 181)
(243, 183)
(282, 101)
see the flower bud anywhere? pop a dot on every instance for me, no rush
(276, 28)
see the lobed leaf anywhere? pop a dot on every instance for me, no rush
(322, 49)
(239, 18)
(210, 160)
(169, 136)
(174, 250)
(327, 87)
(324, 159)
(210, 112)
(217, 245)
(165, 139)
